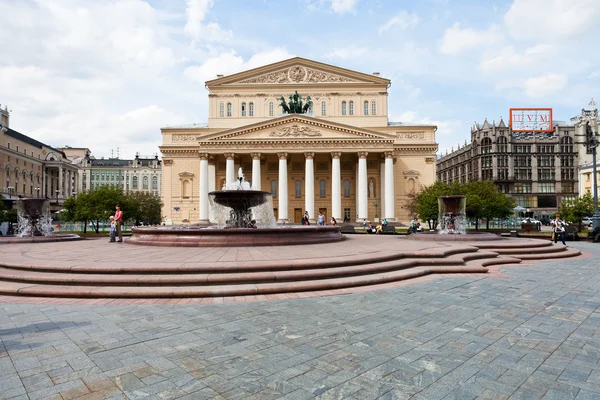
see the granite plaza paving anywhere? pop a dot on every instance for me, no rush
(521, 332)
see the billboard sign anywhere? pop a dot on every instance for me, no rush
(531, 120)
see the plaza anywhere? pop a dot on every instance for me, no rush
(522, 331)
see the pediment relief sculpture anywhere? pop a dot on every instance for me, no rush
(298, 74)
(296, 131)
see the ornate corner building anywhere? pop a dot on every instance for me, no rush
(342, 157)
(538, 170)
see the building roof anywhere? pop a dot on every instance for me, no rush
(26, 139)
(117, 162)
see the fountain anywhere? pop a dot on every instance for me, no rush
(35, 223)
(453, 223)
(452, 215)
(244, 217)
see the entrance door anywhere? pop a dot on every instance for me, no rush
(275, 213)
(324, 212)
(297, 215)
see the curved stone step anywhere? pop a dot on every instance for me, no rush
(564, 253)
(247, 266)
(25, 289)
(231, 278)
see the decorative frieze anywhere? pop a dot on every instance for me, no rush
(183, 138)
(298, 74)
(313, 95)
(411, 135)
(295, 130)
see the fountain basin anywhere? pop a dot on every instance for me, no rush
(466, 237)
(60, 237)
(195, 236)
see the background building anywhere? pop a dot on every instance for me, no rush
(539, 170)
(140, 174)
(342, 158)
(30, 168)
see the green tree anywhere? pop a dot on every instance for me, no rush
(427, 202)
(484, 201)
(142, 207)
(93, 207)
(575, 210)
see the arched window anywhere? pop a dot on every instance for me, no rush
(343, 108)
(351, 108)
(229, 109)
(373, 108)
(185, 189)
(411, 185)
(134, 183)
(221, 110)
(145, 183)
(322, 188)
(274, 188)
(486, 145)
(346, 187)
(271, 109)
(366, 108)
(155, 182)
(251, 109)
(243, 109)
(323, 108)
(298, 188)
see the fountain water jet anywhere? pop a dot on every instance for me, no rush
(452, 214)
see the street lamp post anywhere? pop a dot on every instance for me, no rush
(589, 119)
(57, 192)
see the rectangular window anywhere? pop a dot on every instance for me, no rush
(522, 187)
(545, 187)
(366, 108)
(373, 108)
(323, 108)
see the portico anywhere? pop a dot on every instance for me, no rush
(333, 159)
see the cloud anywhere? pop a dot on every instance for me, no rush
(403, 19)
(457, 40)
(196, 12)
(229, 63)
(542, 85)
(508, 58)
(343, 6)
(550, 19)
(447, 130)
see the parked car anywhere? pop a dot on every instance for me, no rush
(586, 221)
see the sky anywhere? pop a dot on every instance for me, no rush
(108, 75)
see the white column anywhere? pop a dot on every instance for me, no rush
(229, 169)
(60, 182)
(389, 186)
(362, 186)
(203, 210)
(336, 183)
(309, 185)
(44, 188)
(283, 188)
(382, 188)
(256, 177)
(212, 184)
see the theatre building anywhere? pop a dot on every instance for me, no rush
(338, 155)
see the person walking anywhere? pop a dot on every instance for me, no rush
(321, 219)
(559, 228)
(119, 222)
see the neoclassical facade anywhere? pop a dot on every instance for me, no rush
(342, 158)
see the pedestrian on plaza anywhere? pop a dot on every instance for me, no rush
(119, 222)
(113, 230)
(559, 228)
(333, 221)
(321, 219)
(305, 218)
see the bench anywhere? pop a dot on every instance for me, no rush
(571, 232)
(347, 229)
(388, 230)
(594, 235)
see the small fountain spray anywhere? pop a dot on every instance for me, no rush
(34, 218)
(452, 214)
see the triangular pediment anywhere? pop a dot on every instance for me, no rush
(296, 71)
(297, 127)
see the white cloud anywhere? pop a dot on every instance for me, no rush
(229, 63)
(545, 84)
(550, 19)
(403, 19)
(196, 12)
(508, 58)
(542, 85)
(457, 40)
(447, 133)
(343, 6)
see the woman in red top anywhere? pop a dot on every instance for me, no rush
(119, 221)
